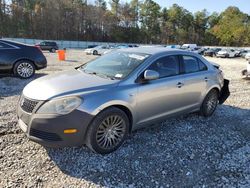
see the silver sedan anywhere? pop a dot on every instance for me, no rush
(101, 102)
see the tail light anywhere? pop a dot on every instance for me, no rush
(38, 47)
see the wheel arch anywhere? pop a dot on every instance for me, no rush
(21, 59)
(217, 88)
(122, 107)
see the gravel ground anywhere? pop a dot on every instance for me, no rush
(188, 151)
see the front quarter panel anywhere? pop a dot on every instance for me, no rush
(93, 103)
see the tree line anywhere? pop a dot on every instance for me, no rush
(139, 21)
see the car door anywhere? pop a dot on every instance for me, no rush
(158, 98)
(195, 77)
(7, 55)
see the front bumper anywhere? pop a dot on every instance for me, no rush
(225, 93)
(48, 130)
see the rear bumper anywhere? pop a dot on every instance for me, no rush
(41, 63)
(225, 93)
(48, 130)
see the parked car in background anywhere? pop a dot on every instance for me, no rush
(101, 102)
(238, 52)
(226, 53)
(244, 53)
(48, 46)
(20, 59)
(122, 46)
(212, 52)
(175, 46)
(92, 46)
(247, 56)
(98, 50)
(189, 47)
(246, 72)
(201, 51)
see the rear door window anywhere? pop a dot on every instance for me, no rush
(190, 64)
(202, 66)
(5, 46)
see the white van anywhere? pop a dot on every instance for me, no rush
(189, 46)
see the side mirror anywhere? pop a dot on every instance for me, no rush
(151, 75)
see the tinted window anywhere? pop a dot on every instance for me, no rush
(190, 64)
(3, 45)
(202, 66)
(166, 66)
(52, 43)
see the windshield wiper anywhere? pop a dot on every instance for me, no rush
(100, 75)
(105, 76)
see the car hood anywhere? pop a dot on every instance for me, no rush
(66, 83)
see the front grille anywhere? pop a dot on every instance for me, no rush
(45, 135)
(28, 105)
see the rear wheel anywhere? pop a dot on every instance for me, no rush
(210, 103)
(108, 131)
(24, 69)
(95, 52)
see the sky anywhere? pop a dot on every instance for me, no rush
(210, 5)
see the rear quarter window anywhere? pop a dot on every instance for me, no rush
(4, 46)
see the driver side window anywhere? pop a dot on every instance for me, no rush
(166, 66)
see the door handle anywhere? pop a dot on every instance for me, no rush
(179, 85)
(206, 79)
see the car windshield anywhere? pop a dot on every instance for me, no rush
(115, 65)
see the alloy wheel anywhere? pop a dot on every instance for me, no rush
(25, 70)
(211, 103)
(111, 132)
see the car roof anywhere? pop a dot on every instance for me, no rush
(12, 42)
(150, 50)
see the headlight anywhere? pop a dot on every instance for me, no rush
(60, 106)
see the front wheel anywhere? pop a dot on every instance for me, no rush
(95, 52)
(210, 103)
(108, 131)
(24, 69)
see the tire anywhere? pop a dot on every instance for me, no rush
(95, 52)
(53, 50)
(24, 69)
(100, 138)
(210, 103)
